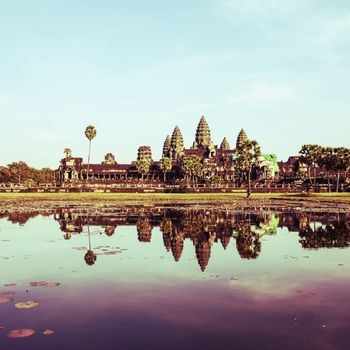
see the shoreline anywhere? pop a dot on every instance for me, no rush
(323, 202)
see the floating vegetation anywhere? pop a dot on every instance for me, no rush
(21, 333)
(48, 332)
(5, 300)
(8, 293)
(45, 284)
(30, 304)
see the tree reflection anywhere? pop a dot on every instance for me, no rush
(331, 235)
(240, 232)
(247, 242)
(110, 230)
(90, 257)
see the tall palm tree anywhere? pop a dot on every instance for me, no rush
(328, 162)
(311, 155)
(192, 167)
(143, 166)
(248, 157)
(90, 133)
(165, 165)
(342, 162)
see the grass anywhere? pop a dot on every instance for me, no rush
(166, 197)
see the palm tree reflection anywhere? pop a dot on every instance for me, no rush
(247, 242)
(90, 257)
(205, 228)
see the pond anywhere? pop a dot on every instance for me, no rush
(160, 278)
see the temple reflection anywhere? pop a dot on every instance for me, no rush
(204, 228)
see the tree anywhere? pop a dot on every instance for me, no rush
(248, 156)
(310, 155)
(192, 167)
(327, 161)
(143, 166)
(90, 133)
(215, 180)
(247, 242)
(165, 165)
(342, 162)
(20, 172)
(48, 174)
(68, 152)
(5, 174)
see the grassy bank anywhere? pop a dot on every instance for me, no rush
(172, 198)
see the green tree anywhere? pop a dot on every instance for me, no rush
(5, 174)
(165, 165)
(192, 167)
(48, 175)
(143, 166)
(327, 161)
(215, 180)
(248, 157)
(90, 133)
(342, 162)
(311, 155)
(20, 172)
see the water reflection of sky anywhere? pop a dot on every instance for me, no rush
(288, 297)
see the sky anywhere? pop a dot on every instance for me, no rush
(279, 69)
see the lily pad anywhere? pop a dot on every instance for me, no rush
(27, 304)
(8, 293)
(45, 284)
(21, 333)
(48, 332)
(5, 300)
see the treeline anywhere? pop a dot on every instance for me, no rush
(325, 162)
(21, 173)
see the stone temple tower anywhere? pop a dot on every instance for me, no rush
(144, 153)
(241, 138)
(177, 144)
(225, 145)
(167, 147)
(203, 137)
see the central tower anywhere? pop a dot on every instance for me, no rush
(203, 137)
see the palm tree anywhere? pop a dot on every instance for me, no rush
(192, 167)
(328, 162)
(248, 156)
(68, 152)
(310, 155)
(143, 166)
(165, 165)
(90, 133)
(342, 162)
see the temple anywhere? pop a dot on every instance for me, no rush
(218, 162)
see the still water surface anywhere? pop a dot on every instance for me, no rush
(167, 279)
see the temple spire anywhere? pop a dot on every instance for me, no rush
(167, 147)
(203, 137)
(225, 144)
(177, 143)
(241, 138)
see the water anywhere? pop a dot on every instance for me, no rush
(166, 279)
